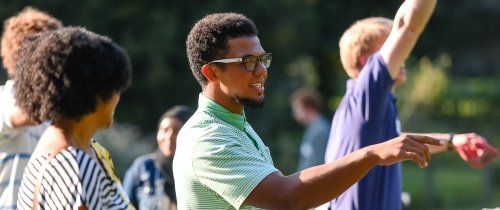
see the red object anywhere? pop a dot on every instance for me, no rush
(476, 151)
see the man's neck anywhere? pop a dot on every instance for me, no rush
(312, 116)
(225, 101)
(393, 89)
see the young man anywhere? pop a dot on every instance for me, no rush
(373, 52)
(150, 182)
(306, 109)
(18, 136)
(221, 163)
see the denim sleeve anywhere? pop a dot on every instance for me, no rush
(131, 182)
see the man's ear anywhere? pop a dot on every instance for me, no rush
(362, 59)
(209, 72)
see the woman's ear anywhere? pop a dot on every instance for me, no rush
(209, 72)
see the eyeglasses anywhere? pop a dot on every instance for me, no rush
(251, 61)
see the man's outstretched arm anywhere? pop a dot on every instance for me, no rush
(317, 185)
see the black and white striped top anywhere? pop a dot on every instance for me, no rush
(71, 179)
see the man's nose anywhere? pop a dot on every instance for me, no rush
(261, 69)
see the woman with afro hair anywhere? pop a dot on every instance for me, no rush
(72, 78)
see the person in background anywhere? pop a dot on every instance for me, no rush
(221, 162)
(72, 78)
(149, 182)
(18, 134)
(373, 52)
(306, 109)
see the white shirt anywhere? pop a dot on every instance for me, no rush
(16, 146)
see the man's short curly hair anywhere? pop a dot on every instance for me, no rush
(63, 74)
(28, 21)
(208, 39)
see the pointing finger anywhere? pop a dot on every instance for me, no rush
(425, 139)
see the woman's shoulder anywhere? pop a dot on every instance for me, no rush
(67, 154)
(66, 161)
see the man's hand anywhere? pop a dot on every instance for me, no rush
(18, 118)
(405, 147)
(474, 149)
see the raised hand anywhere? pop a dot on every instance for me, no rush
(19, 118)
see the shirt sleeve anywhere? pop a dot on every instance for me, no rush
(373, 89)
(6, 131)
(131, 182)
(228, 168)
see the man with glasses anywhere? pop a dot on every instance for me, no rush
(373, 52)
(221, 162)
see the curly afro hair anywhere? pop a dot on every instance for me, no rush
(28, 21)
(208, 39)
(63, 74)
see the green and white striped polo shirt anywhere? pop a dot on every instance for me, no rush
(219, 159)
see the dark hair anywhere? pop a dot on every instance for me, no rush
(180, 112)
(28, 21)
(62, 74)
(208, 39)
(309, 98)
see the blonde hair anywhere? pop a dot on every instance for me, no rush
(26, 22)
(362, 38)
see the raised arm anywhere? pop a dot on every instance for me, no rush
(317, 185)
(409, 22)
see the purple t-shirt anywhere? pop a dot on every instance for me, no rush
(367, 115)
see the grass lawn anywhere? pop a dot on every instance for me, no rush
(449, 184)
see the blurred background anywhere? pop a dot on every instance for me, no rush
(454, 76)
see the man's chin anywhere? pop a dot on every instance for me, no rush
(251, 103)
(399, 83)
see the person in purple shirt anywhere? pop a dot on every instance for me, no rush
(373, 52)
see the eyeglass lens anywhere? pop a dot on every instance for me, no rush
(251, 62)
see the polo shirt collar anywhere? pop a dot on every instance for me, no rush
(213, 107)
